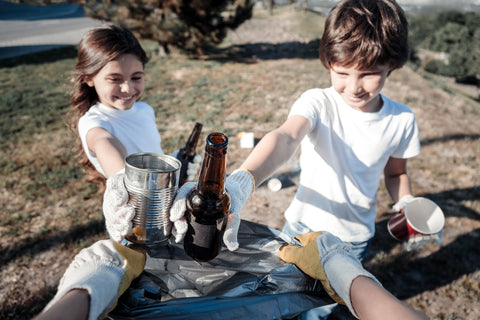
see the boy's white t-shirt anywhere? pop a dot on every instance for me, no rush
(135, 128)
(342, 160)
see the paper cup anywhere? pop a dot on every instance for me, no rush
(421, 216)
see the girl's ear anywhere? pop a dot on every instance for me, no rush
(89, 82)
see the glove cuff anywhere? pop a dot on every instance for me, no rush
(105, 270)
(244, 179)
(341, 268)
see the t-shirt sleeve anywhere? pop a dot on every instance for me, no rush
(410, 145)
(88, 122)
(306, 106)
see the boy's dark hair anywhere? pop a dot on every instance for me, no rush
(365, 33)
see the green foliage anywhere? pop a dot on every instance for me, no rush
(435, 66)
(450, 37)
(33, 96)
(452, 32)
(188, 24)
(421, 27)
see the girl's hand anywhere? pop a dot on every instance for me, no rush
(194, 167)
(118, 213)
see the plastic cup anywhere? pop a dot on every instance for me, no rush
(421, 216)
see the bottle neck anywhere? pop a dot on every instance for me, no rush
(211, 180)
(191, 144)
(193, 139)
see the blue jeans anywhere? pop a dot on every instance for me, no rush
(359, 249)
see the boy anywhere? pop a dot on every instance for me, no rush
(349, 133)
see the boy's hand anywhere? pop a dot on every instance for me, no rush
(118, 213)
(239, 185)
(326, 258)
(402, 203)
(105, 269)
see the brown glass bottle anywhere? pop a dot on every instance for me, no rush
(208, 203)
(188, 152)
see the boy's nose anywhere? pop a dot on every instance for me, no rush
(354, 85)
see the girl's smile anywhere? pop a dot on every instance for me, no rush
(120, 83)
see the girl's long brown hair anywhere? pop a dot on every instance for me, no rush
(98, 47)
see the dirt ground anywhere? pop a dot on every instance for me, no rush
(450, 146)
(441, 281)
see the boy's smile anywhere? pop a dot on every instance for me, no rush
(120, 82)
(360, 88)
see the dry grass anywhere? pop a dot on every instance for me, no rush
(49, 212)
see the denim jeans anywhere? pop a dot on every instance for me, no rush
(359, 249)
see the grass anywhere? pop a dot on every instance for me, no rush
(49, 212)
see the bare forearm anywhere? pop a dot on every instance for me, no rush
(398, 186)
(371, 301)
(111, 157)
(74, 305)
(276, 148)
(267, 157)
(397, 181)
(110, 151)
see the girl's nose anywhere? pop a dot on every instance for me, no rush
(125, 87)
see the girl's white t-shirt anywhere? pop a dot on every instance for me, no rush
(342, 160)
(135, 128)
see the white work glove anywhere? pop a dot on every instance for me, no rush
(402, 203)
(118, 213)
(178, 224)
(328, 259)
(105, 269)
(193, 166)
(240, 185)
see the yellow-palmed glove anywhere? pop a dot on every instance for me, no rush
(325, 257)
(307, 259)
(105, 269)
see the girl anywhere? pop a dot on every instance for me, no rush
(109, 80)
(110, 121)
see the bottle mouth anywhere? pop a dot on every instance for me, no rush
(217, 139)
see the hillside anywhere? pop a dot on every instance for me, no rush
(50, 212)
